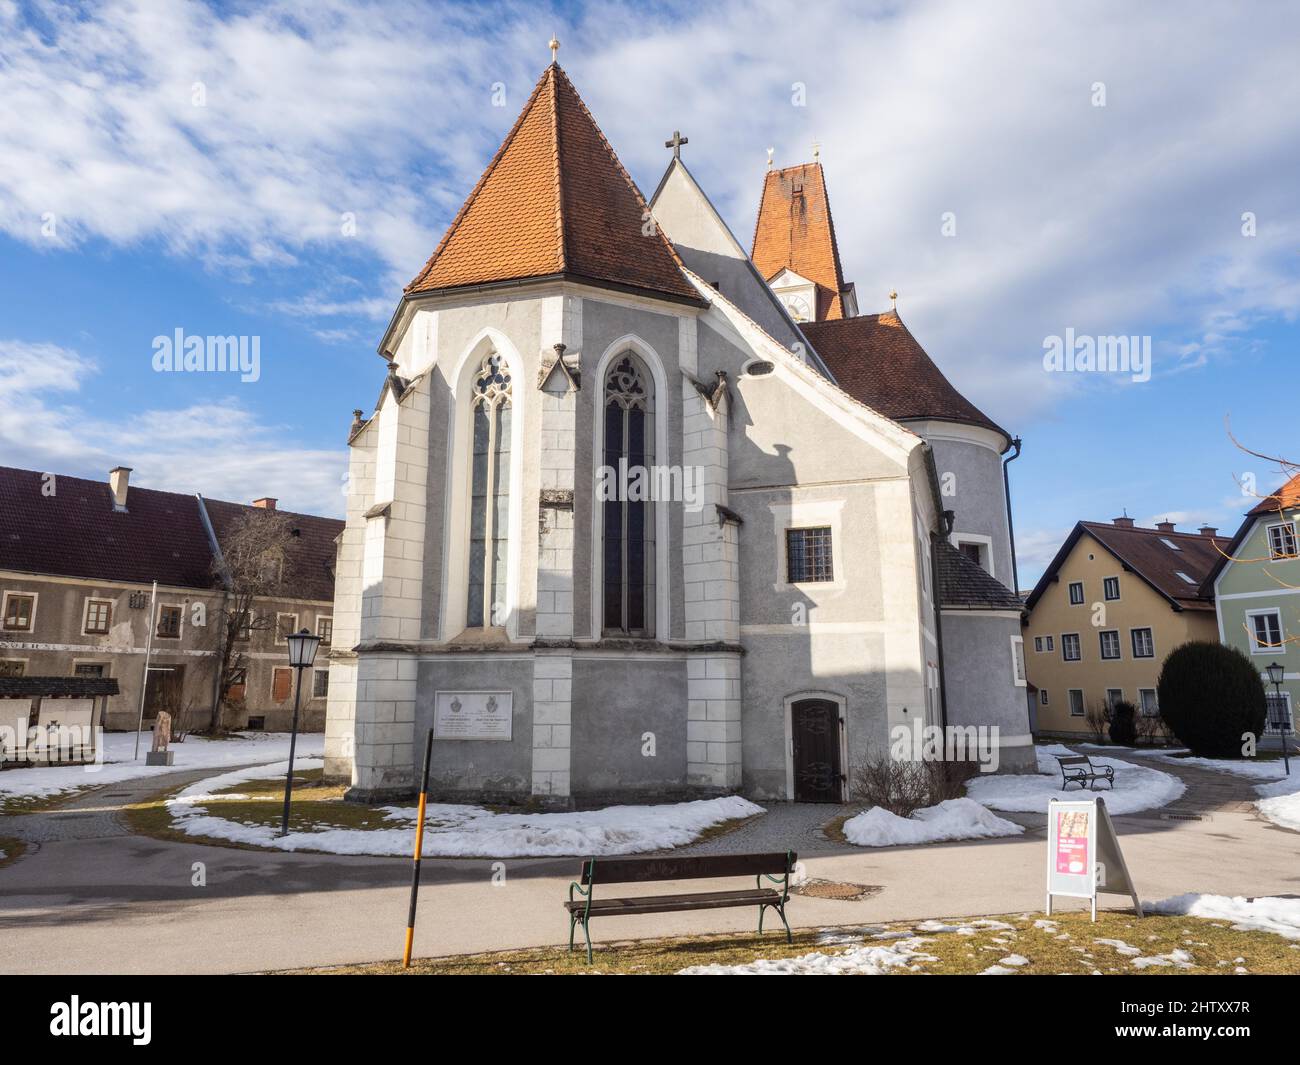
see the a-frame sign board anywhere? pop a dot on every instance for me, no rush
(1083, 855)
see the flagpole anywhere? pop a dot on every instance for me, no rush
(144, 680)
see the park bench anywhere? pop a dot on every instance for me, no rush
(775, 868)
(1078, 769)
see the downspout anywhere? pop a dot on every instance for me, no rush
(1011, 529)
(948, 517)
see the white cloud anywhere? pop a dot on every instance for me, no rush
(221, 450)
(1121, 219)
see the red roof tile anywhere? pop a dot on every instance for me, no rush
(794, 229)
(1285, 498)
(555, 201)
(876, 360)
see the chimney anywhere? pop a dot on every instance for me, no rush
(1123, 523)
(1209, 530)
(1165, 526)
(118, 478)
(266, 503)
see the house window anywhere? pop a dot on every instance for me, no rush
(1109, 643)
(1281, 540)
(12, 667)
(1018, 660)
(491, 422)
(285, 625)
(99, 615)
(320, 683)
(169, 622)
(18, 612)
(237, 689)
(244, 628)
(1038, 645)
(1070, 649)
(1110, 588)
(808, 555)
(1143, 644)
(1076, 702)
(281, 684)
(88, 669)
(1265, 628)
(1113, 696)
(1147, 700)
(1051, 643)
(325, 629)
(1076, 593)
(1042, 696)
(1279, 712)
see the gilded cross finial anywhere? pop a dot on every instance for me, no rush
(554, 47)
(893, 296)
(676, 143)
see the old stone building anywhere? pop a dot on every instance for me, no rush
(638, 513)
(78, 560)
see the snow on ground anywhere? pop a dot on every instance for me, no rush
(949, 820)
(1281, 793)
(859, 961)
(1265, 914)
(1137, 787)
(461, 831)
(197, 752)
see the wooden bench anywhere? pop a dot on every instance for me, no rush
(1078, 769)
(775, 868)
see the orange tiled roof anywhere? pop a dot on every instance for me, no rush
(795, 230)
(555, 201)
(1285, 498)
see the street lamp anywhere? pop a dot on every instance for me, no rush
(1275, 675)
(302, 653)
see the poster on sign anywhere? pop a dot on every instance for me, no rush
(1083, 855)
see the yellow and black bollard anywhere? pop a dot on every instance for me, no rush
(419, 846)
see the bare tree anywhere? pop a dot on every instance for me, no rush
(1098, 721)
(256, 563)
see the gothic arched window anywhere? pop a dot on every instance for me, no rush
(489, 505)
(628, 557)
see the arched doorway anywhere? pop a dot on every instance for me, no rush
(816, 746)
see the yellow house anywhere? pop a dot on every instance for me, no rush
(1116, 599)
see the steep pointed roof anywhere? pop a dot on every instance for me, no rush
(795, 230)
(876, 359)
(555, 202)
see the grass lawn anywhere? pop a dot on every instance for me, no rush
(1069, 946)
(314, 806)
(11, 849)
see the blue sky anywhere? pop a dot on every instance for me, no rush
(282, 170)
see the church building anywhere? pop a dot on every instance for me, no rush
(641, 515)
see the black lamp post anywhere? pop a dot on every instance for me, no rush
(1275, 675)
(302, 653)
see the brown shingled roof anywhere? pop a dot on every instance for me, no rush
(794, 229)
(555, 201)
(876, 360)
(1285, 498)
(160, 536)
(1144, 552)
(965, 585)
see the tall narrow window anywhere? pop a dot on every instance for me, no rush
(489, 509)
(629, 548)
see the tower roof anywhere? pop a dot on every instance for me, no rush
(795, 230)
(876, 360)
(555, 202)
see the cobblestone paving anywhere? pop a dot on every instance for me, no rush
(795, 826)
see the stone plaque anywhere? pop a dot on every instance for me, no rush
(472, 715)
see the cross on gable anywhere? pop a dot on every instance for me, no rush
(676, 143)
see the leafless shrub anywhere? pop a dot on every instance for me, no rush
(902, 787)
(1097, 719)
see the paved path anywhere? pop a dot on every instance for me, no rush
(112, 903)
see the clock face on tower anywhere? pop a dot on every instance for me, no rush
(798, 308)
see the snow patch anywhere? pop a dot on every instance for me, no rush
(1137, 787)
(1264, 914)
(861, 961)
(951, 819)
